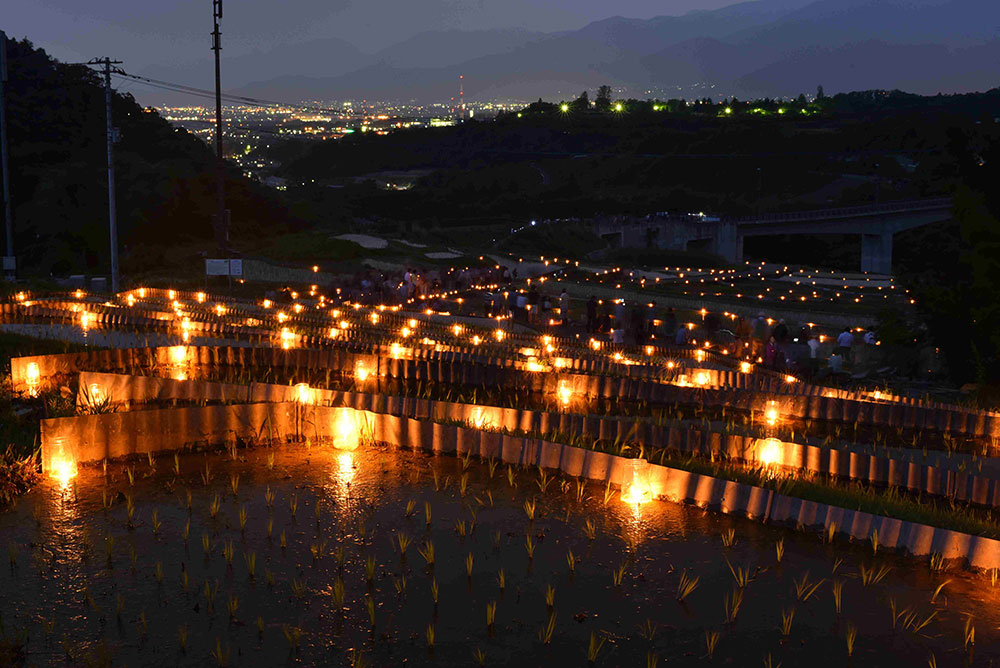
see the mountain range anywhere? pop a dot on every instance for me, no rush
(760, 48)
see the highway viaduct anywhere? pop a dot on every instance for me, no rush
(875, 224)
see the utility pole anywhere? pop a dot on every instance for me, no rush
(9, 265)
(112, 138)
(221, 216)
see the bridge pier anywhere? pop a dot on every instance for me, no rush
(728, 242)
(876, 252)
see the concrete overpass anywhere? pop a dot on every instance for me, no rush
(875, 224)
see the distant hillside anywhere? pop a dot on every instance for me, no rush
(58, 160)
(769, 47)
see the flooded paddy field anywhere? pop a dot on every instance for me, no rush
(313, 556)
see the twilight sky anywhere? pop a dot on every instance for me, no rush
(148, 32)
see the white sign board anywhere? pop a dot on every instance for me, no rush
(223, 267)
(216, 267)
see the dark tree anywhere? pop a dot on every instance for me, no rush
(603, 100)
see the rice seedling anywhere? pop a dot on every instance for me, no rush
(338, 592)
(270, 527)
(293, 635)
(468, 565)
(711, 640)
(571, 560)
(269, 497)
(501, 580)
(837, 587)
(936, 562)
(399, 584)
(729, 537)
(370, 607)
(298, 588)
(429, 635)
(529, 509)
(129, 512)
(434, 591)
(463, 484)
(769, 662)
(403, 541)
(932, 661)
(994, 572)
(182, 637)
(187, 530)
(293, 504)
(370, 568)
(550, 596)
(206, 544)
(427, 513)
(652, 660)
(804, 589)
(686, 586)
(837, 563)
(233, 605)
(969, 632)
(874, 540)
(260, 627)
(510, 476)
(850, 636)
(740, 574)
(227, 552)
(460, 528)
(410, 507)
(545, 633)
(177, 465)
(158, 572)
(618, 573)
(282, 542)
(491, 614)
(731, 605)
(427, 552)
(786, 621)
(648, 629)
(779, 549)
(594, 646)
(270, 461)
(206, 475)
(213, 508)
(250, 558)
(543, 480)
(609, 494)
(497, 538)
(872, 576)
(479, 656)
(130, 474)
(529, 546)
(243, 518)
(831, 531)
(590, 529)
(492, 464)
(109, 548)
(937, 591)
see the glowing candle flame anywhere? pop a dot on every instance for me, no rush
(361, 372)
(345, 434)
(770, 452)
(62, 469)
(636, 489)
(33, 378)
(771, 414)
(565, 394)
(200, 297)
(304, 394)
(287, 338)
(745, 367)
